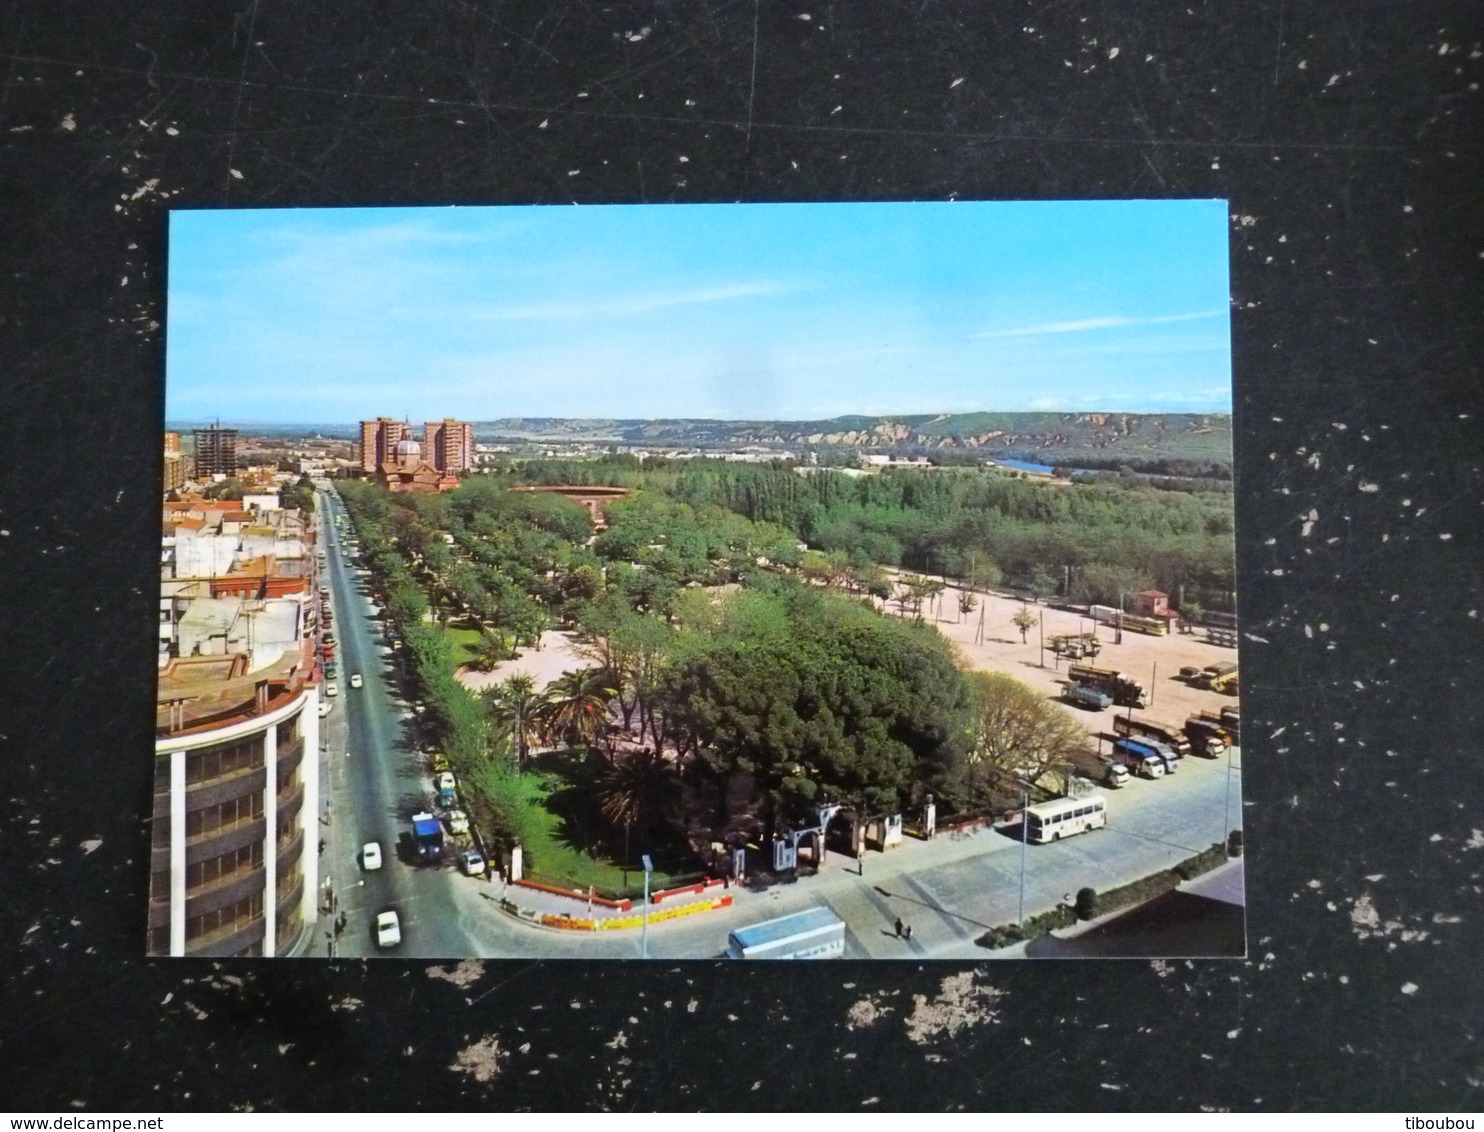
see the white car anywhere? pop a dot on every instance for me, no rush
(332, 689)
(324, 709)
(355, 679)
(388, 930)
(458, 822)
(371, 856)
(471, 861)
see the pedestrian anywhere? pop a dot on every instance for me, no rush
(899, 927)
(321, 844)
(908, 930)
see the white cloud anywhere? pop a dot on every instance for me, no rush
(1084, 324)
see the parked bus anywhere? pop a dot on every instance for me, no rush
(814, 933)
(1051, 821)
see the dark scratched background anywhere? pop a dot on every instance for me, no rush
(1346, 137)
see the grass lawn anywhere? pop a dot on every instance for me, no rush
(463, 642)
(562, 848)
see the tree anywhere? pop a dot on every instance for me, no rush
(1017, 734)
(575, 708)
(966, 604)
(639, 792)
(228, 489)
(515, 708)
(492, 650)
(1025, 621)
(848, 706)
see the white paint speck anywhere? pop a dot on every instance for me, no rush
(69, 123)
(1409, 988)
(954, 83)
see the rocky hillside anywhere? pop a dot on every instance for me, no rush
(1188, 435)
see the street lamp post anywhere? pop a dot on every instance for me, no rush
(1025, 801)
(648, 865)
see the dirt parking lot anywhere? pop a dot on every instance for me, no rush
(1153, 661)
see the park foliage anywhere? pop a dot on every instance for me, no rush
(751, 650)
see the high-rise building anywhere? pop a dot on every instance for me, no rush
(216, 452)
(379, 440)
(449, 445)
(175, 466)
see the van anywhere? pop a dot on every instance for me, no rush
(1162, 751)
(1115, 776)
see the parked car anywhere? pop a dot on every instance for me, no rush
(324, 708)
(371, 856)
(332, 689)
(388, 930)
(471, 861)
(458, 822)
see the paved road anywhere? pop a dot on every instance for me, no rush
(374, 784)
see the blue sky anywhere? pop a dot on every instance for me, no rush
(737, 311)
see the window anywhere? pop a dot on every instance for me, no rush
(227, 919)
(223, 759)
(220, 868)
(210, 819)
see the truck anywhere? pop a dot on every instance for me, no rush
(814, 933)
(1228, 719)
(427, 839)
(1140, 763)
(1207, 736)
(1146, 746)
(1129, 727)
(1126, 692)
(1115, 774)
(1086, 696)
(1075, 646)
(1231, 719)
(1217, 676)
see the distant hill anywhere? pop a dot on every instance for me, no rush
(1141, 436)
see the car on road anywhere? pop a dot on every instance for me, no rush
(388, 930)
(355, 679)
(332, 689)
(471, 861)
(371, 856)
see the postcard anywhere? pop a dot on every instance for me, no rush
(787, 581)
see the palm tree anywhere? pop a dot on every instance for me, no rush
(575, 707)
(640, 790)
(515, 705)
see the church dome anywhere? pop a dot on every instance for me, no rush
(408, 451)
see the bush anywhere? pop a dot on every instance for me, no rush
(1090, 903)
(1087, 903)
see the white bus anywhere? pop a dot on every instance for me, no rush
(1051, 821)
